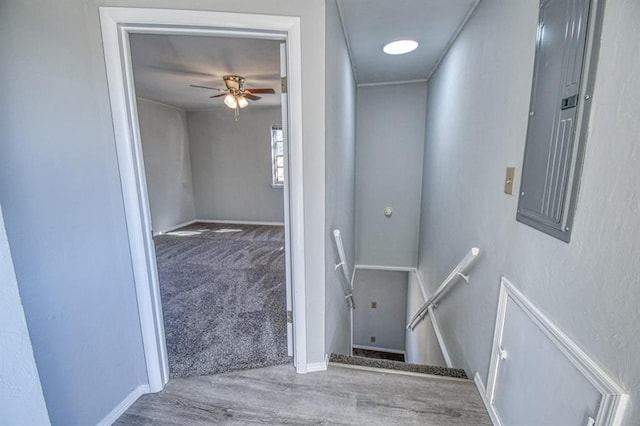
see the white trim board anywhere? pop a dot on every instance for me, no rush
(116, 24)
(315, 367)
(613, 400)
(240, 222)
(174, 227)
(380, 349)
(386, 268)
(127, 402)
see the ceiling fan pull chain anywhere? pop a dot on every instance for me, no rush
(237, 112)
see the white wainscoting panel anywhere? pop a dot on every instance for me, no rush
(539, 376)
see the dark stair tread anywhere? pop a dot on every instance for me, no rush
(397, 365)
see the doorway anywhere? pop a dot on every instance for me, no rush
(117, 25)
(215, 196)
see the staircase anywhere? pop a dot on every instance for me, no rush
(396, 366)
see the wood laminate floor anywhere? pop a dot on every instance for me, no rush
(339, 396)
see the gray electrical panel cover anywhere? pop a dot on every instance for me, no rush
(553, 149)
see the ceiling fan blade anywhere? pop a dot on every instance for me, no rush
(217, 96)
(205, 87)
(269, 91)
(250, 96)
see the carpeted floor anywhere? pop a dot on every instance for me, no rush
(223, 297)
(366, 353)
(396, 365)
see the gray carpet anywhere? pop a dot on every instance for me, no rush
(223, 297)
(397, 365)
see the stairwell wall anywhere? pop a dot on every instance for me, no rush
(476, 125)
(389, 151)
(339, 178)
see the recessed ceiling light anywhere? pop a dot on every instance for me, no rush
(400, 47)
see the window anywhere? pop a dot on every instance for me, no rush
(277, 156)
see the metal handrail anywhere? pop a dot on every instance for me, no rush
(348, 289)
(458, 271)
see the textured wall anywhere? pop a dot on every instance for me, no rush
(60, 188)
(21, 399)
(340, 179)
(389, 149)
(388, 320)
(167, 163)
(232, 165)
(476, 125)
(421, 343)
(63, 210)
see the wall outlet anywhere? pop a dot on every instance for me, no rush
(374, 305)
(373, 339)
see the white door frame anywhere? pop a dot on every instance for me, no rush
(117, 23)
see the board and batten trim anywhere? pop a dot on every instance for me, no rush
(614, 399)
(123, 406)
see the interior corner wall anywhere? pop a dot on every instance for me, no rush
(421, 343)
(476, 127)
(167, 163)
(389, 151)
(231, 163)
(385, 321)
(21, 398)
(62, 200)
(339, 180)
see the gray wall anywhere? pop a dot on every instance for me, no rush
(21, 398)
(60, 188)
(63, 210)
(167, 163)
(388, 320)
(389, 150)
(231, 163)
(476, 125)
(421, 343)
(340, 179)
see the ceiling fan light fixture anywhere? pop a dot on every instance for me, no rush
(400, 47)
(243, 102)
(230, 101)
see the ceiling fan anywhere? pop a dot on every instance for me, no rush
(235, 95)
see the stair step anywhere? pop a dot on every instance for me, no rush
(398, 366)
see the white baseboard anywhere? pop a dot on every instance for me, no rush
(386, 268)
(127, 402)
(487, 404)
(240, 222)
(379, 349)
(318, 366)
(434, 321)
(173, 228)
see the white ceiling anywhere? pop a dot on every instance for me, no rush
(164, 66)
(370, 24)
